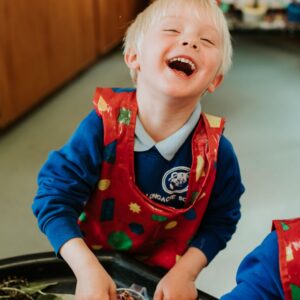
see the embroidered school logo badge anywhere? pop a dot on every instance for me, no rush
(176, 180)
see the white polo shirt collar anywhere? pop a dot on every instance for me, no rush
(169, 146)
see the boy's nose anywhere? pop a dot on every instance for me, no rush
(191, 44)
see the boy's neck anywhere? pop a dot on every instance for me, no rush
(162, 116)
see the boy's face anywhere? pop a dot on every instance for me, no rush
(180, 55)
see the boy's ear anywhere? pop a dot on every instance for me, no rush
(131, 59)
(215, 83)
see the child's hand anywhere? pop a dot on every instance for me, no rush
(176, 285)
(94, 283)
(179, 282)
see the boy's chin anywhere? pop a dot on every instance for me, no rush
(178, 93)
(169, 89)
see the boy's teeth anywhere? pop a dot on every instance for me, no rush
(184, 60)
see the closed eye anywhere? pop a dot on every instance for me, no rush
(207, 41)
(171, 30)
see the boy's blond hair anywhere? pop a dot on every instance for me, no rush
(158, 9)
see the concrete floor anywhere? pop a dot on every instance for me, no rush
(260, 100)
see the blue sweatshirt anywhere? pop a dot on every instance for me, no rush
(258, 276)
(70, 175)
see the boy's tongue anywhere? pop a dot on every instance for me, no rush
(181, 67)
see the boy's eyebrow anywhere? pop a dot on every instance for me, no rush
(164, 18)
(176, 18)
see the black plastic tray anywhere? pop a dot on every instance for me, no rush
(47, 267)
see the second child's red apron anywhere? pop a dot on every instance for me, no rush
(288, 232)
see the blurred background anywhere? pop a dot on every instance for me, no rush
(53, 53)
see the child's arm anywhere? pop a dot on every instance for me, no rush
(65, 183)
(67, 180)
(258, 275)
(223, 210)
(179, 282)
(93, 282)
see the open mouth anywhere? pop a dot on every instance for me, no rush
(183, 65)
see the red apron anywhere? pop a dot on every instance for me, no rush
(288, 232)
(119, 216)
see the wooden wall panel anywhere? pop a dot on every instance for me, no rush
(22, 49)
(112, 19)
(108, 25)
(4, 57)
(43, 44)
(72, 37)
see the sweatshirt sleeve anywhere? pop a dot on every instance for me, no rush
(258, 275)
(223, 210)
(66, 181)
